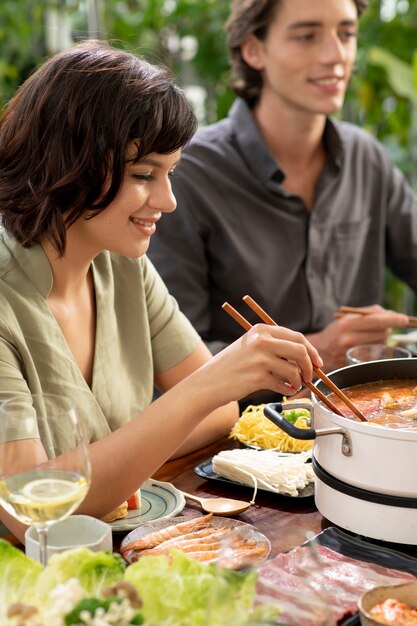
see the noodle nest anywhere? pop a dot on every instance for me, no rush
(254, 429)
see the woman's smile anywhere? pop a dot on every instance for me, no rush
(145, 225)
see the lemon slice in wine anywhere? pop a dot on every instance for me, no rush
(50, 490)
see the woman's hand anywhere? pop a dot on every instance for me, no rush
(266, 357)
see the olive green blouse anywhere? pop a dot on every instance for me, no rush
(139, 331)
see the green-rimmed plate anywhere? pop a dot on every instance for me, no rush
(159, 500)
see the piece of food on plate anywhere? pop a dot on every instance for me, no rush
(118, 513)
(134, 501)
(174, 530)
(279, 472)
(254, 429)
(121, 511)
(313, 584)
(202, 541)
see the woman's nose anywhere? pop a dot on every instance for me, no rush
(163, 199)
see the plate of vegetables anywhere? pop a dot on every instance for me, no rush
(79, 586)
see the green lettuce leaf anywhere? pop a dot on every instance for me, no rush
(18, 576)
(186, 592)
(94, 570)
(90, 605)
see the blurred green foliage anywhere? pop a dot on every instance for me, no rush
(384, 101)
(21, 42)
(159, 29)
(382, 97)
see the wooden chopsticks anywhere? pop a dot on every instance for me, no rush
(247, 325)
(345, 310)
(268, 320)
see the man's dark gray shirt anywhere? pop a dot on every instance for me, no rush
(236, 231)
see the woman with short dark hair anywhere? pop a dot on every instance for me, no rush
(64, 136)
(87, 148)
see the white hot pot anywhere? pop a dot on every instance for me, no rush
(366, 475)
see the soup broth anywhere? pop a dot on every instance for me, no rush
(391, 403)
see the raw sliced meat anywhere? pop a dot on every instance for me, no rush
(312, 584)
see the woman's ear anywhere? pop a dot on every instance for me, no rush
(251, 50)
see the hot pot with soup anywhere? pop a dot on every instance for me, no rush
(366, 472)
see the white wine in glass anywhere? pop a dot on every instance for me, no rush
(44, 464)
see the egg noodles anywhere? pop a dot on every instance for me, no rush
(254, 429)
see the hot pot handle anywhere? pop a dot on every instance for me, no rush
(274, 413)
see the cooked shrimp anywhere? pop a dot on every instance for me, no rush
(187, 544)
(184, 547)
(200, 547)
(175, 530)
(204, 555)
(244, 557)
(204, 533)
(193, 539)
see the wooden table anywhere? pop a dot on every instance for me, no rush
(286, 522)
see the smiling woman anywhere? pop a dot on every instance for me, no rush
(87, 148)
(128, 222)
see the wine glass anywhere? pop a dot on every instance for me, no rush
(45, 469)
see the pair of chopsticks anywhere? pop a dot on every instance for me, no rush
(345, 310)
(268, 320)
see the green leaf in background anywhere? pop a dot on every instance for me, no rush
(414, 71)
(400, 74)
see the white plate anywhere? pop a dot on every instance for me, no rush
(217, 522)
(159, 500)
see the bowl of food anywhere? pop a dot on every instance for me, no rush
(393, 605)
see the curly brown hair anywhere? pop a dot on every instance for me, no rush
(65, 133)
(252, 17)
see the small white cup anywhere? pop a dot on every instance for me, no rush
(76, 531)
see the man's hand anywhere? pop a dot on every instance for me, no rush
(354, 329)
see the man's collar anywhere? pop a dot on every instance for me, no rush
(256, 153)
(251, 144)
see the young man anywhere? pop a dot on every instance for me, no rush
(282, 202)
